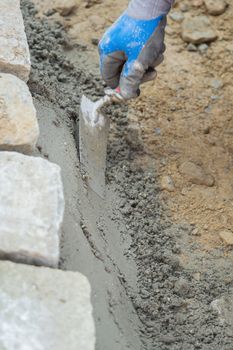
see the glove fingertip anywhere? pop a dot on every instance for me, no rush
(128, 92)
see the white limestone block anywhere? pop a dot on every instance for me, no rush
(14, 51)
(44, 309)
(31, 209)
(19, 128)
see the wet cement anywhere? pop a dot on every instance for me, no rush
(144, 295)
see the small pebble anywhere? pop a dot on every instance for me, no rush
(215, 7)
(167, 183)
(216, 84)
(177, 16)
(95, 41)
(203, 48)
(157, 131)
(184, 7)
(191, 47)
(227, 237)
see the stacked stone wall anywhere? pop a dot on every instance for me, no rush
(41, 307)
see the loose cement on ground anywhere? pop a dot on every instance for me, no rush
(144, 295)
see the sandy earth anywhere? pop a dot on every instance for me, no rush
(155, 258)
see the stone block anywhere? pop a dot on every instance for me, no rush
(44, 309)
(31, 209)
(14, 51)
(19, 129)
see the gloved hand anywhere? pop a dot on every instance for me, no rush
(134, 45)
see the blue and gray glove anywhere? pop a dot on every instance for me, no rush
(134, 45)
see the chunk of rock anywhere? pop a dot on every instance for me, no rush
(202, 48)
(66, 7)
(216, 84)
(224, 307)
(19, 129)
(184, 7)
(197, 3)
(198, 30)
(31, 209)
(215, 7)
(191, 47)
(133, 136)
(177, 16)
(227, 237)
(167, 183)
(14, 51)
(196, 174)
(182, 287)
(42, 308)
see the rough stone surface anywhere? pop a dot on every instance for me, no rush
(19, 129)
(14, 51)
(202, 48)
(196, 174)
(227, 237)
(182, 287)
(177, 16)
(191, 47)
(167, 183)
(197, 3)
(66, 7)
(44, 309)
(215, 7)
(198, 30)
(224, 308)
(31, 209)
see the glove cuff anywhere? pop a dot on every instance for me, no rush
(149, 9)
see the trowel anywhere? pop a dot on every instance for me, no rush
(93, 138)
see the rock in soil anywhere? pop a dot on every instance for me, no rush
(133, 136)
(197, 3)
(66, 7)
(167, 183)
(191, 47)
(202, 48)
(215, 7)
(196, 174)
(227, 237)
(224, 308)
(177, 16)
(182, 287)
(198, 30)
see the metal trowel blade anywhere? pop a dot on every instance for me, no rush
(93, 138)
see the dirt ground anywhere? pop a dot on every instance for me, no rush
(171, 266)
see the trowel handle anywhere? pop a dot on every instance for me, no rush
(114, 94)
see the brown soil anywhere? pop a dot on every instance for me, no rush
(195, 124)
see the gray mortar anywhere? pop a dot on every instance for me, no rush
(126, 246)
